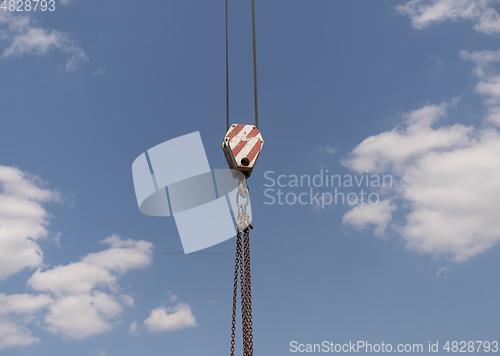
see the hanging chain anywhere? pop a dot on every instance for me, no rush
(247, 295)
(243, 304)
(242, 268)
(235, 290)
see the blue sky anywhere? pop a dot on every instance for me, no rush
(409, 89)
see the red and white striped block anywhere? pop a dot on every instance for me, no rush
(242, 146)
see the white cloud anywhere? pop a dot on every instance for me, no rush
(23, 303)
(377, 214)
(74, 278)
(95, 269)
(127, 300)
(132, 330)
(424, 12)
(172, 296)
(493, 115)
(489, 77)
(82, 297)
(57, 239)
(16, 310)
(80, 316)
(482, 59)
(490, 88)
(168, 319)
(328, 149)
(395, 148)
(81, 309)
(23, 220)
(448, 181)
(13, 334)
(443, 271)
(122, 256)
(23, 37)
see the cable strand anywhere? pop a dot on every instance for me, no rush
(227, 72)
(254, 66)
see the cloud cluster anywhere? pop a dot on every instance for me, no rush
(76, 300)
(23, 220)
(448, 181)
(378, 215)
(16, 310)
(19, 36)
(86, 295)
(168, 319)
(95, 269)
(394, 149)
(132, 330)
(425, 12)
(489, 80)
(448, 188)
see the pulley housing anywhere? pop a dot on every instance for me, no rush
(242, 146)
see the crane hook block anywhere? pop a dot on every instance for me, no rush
(241, 147)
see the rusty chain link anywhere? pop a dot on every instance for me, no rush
(247, 295)
(243, 302)
(235, 290)
(242, 267)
